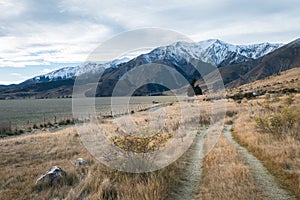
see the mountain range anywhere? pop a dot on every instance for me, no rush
(238, 64)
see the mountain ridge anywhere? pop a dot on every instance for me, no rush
(284, 58)
(203, 50)
(233, 61)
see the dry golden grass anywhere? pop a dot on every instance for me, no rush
(25, 158)
(281, 155)
(225, 176)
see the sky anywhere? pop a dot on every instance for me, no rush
(37, 36)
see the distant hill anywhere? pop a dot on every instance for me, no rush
(54, 89)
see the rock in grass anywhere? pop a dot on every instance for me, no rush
(52, 177)
(80, 161)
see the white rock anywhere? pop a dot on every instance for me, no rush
(52, 176)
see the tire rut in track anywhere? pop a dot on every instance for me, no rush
(190, 180)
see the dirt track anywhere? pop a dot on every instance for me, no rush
(265, 181)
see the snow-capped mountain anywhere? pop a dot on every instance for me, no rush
(213, 51)
(217, 52)
(238, 64)
(191, 60)
(73, 72)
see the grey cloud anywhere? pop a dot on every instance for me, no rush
(273, 37)
(60, 23)
(226, 11)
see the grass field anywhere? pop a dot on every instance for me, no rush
(28, 157)
(22, 114)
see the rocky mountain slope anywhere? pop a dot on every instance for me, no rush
(286, 57)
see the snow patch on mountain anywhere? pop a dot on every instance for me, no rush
(73, 72)
(216, 51)
(212, 51)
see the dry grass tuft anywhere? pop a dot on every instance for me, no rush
(225, 176)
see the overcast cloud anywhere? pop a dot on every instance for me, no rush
(44, 35)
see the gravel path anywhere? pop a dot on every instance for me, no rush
(189, 183)
(266, 182)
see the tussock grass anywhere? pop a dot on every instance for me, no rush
(277, 144)
(25, 158)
